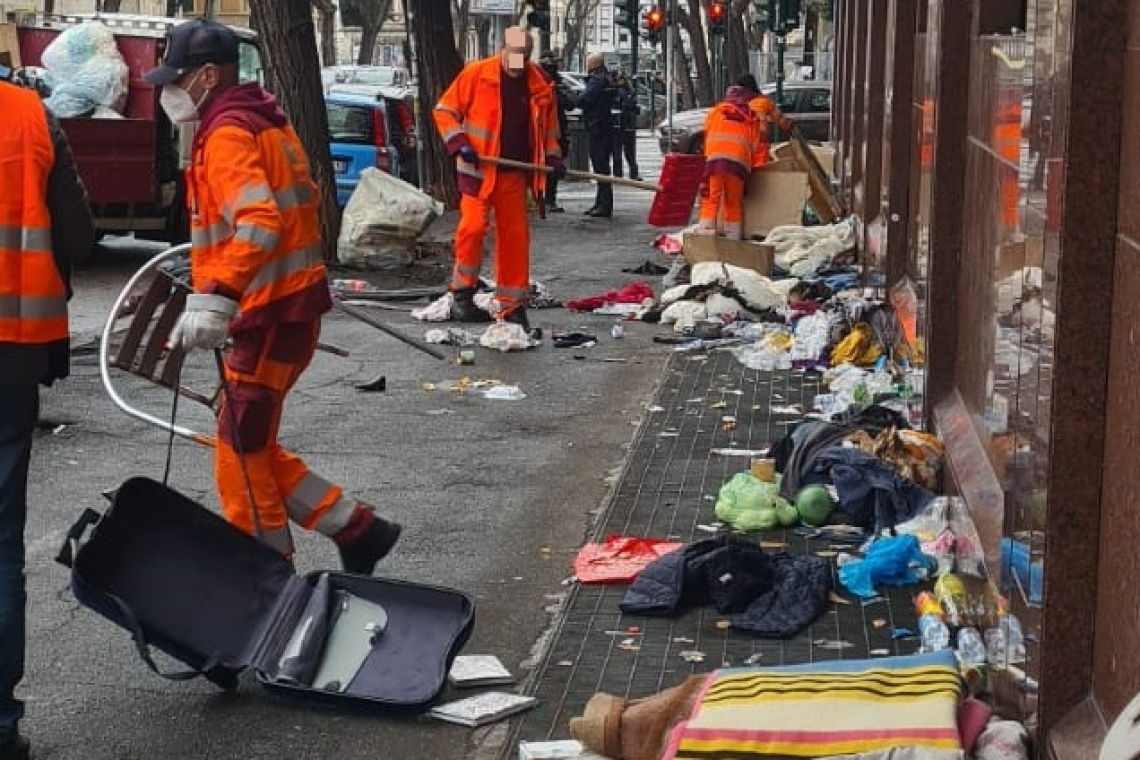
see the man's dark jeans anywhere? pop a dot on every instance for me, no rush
(19, 409)
(601, 150)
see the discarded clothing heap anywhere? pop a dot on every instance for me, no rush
(807, 251)
(872, 494)
(633, 293)
(769, 595)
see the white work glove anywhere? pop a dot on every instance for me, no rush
(205, 323)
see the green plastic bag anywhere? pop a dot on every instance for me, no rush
(748, 503)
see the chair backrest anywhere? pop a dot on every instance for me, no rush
(143, 349)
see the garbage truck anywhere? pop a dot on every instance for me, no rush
(131, 160)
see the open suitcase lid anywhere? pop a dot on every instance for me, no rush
(207, 593)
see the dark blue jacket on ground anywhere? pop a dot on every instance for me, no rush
(767, 595)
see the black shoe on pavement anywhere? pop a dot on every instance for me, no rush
(373, 544)
(464, 309)
(556, 209)
(16, 748)
(600, 213)
(518, 317)
(590, 211)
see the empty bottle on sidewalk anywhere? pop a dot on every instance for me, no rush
(1005, 642)
(970, 648)
(935, 634)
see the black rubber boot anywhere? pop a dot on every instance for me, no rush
(518, 317)
(367, 543)
(464, 308)
(15, 748)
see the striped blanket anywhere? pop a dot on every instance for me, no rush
(824, 709)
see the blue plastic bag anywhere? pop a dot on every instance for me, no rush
(891, 561)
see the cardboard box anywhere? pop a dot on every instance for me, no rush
(823, 153)
(741, 253)
(1011, 257)
(775, 196)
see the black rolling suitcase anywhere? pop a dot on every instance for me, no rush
(182, 580)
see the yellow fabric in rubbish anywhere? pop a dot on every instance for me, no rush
(859, 347)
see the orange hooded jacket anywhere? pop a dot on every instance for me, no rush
(469, 114)
(254, 212)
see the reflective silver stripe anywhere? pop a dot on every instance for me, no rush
(215, 233)
(294, 196)
(255, 234)
(469, 170)
(452, 133)
(733, 230)
(483, 134)
(280, 539)
(248, 196)
(467, 271)
(25, 239)
(32, 307)
(306, 496)
(336, 519)
(296, 261)
(738, 139)
(513, 294)
(449, 110)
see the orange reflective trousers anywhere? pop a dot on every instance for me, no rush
(512, 240)
(261, 367)
(722, 209)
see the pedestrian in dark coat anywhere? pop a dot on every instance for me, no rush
(625, 130)
(597, 104)
(549, 64)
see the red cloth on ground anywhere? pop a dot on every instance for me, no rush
(635, 292)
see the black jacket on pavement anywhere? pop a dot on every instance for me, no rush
(771, 595)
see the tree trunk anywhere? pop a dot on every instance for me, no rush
(700, 52)
(736, 41)
(286, 29)
(373, 14)
(483, 36)
(327, 11)
(462, 22)
(437, 62)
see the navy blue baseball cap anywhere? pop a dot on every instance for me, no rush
(192, 44)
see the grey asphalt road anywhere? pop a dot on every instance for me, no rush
(495, 496)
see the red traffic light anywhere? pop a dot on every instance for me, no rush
(716, 12)
(654, 18)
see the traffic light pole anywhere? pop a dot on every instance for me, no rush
(670, 65)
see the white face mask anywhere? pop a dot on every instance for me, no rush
(179, 106)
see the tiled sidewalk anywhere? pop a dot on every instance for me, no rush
(668, 491)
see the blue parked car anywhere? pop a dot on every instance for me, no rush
(367, 130)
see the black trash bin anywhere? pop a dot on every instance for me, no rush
(578, 157)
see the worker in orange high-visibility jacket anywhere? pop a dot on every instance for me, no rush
(259, 280)
(45, 224)
(732, 139)
(768, 113)
(498, 107)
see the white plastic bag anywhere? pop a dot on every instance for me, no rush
(85, 71)
(506, 336)
(383, 217)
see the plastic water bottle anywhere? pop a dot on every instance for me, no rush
(971, 648)
(1005, 642)
(935, 634)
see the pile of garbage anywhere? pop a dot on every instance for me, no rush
(85, 73)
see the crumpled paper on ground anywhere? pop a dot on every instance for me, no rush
(506, 336)
(452, 336)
